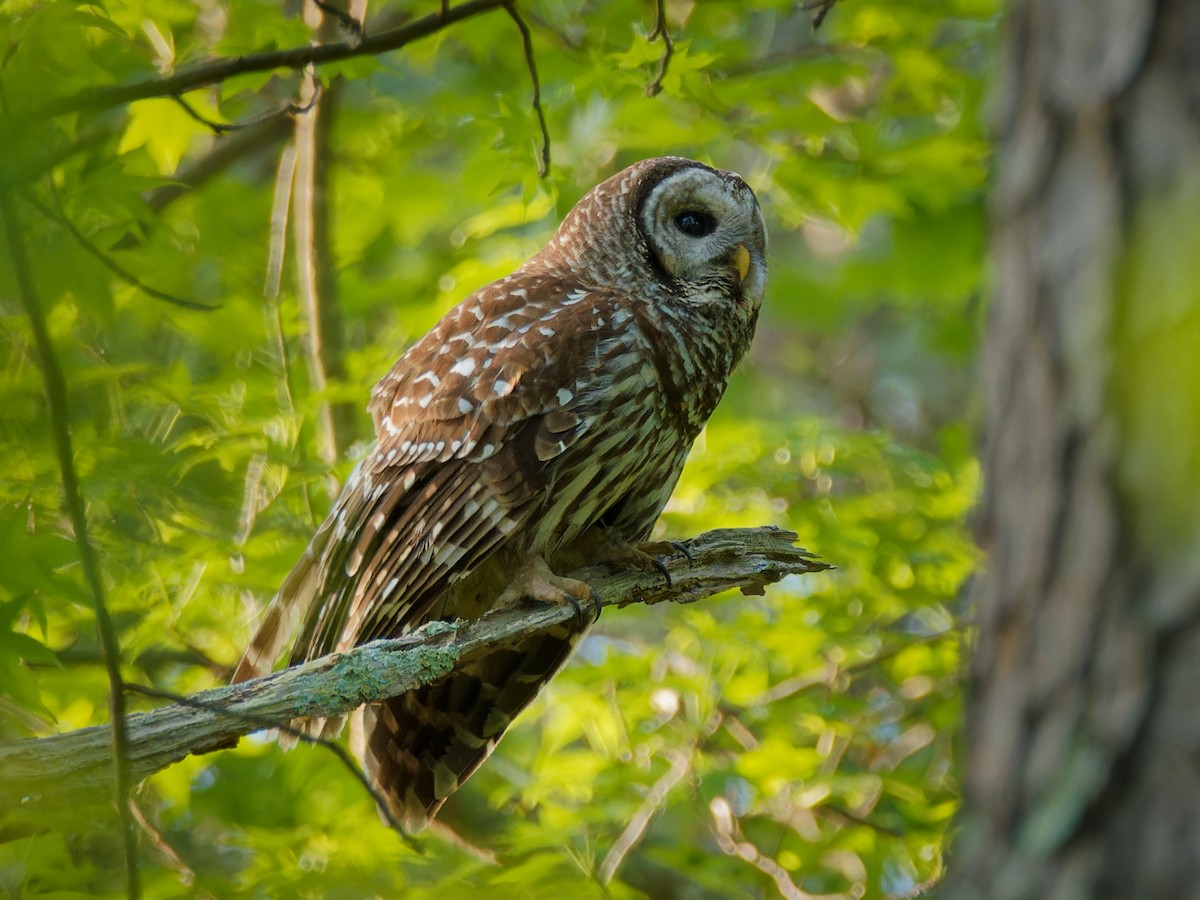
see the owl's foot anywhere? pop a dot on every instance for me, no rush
(666, 548)
(533, 580)
(645, 557)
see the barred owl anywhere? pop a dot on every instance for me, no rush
(541, 424)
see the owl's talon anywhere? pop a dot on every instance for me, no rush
(682, 549)
(580, 612)
(650, 553)
(534, 580)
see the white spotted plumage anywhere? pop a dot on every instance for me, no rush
(549, 408)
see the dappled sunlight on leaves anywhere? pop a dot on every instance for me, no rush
(803, 737)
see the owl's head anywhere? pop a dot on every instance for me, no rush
(704, 231)
(670, 223)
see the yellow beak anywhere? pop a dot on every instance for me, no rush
(741, 259)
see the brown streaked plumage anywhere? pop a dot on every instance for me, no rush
(547, 414)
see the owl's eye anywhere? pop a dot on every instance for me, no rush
(695, 223)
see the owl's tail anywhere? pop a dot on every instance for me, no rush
(280, 622)
(420, 747)
(290, 606)
(305, 607)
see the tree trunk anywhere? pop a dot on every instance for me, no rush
(1083, 749)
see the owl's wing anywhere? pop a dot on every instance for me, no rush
(470, 424)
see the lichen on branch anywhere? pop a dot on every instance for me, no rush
(71, 769)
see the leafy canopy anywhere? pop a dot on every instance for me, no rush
(797, 741)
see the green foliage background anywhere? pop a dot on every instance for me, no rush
(797, 742)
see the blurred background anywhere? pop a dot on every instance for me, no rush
(797, 744)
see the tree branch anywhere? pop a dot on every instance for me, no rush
(681, 766)
(660, 31)
(316, 277)
(531, 64)
(340, 753)
(60, 216)
(193, 77)
(256, 136)
(75, 768)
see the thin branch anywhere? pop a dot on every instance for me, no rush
(71, 769)
(840, 812)
(193, 77)
(252, 137)
(280, 209)
(259, 722)
(309, 262)
(284, 176)
(217, 128)
(221, 128)
(186, 874)
(565, 41)
(316, 280)
(681, 765)
(527, 43)
(660, 31)
(108, 262)
(726, 829)
(827, 676)
(351, 25)
(60, 425)
(758, 65)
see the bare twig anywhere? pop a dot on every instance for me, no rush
(757, 65)
(527, 43)
(71, 768)
(220, 128)
(315, 279)
(280, 209)
(215, 127)
(828, 675)
(660, 31)
(284, 176)
(286, 728)
(190, 78)
(309, 260)
(727, 833)
(60, 425)
(352, 26)
(681, 764)
(840, 812)
(186, 874)
(108, 262)
(252, 137)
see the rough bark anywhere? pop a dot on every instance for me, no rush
(1084, 727)
(74, 769)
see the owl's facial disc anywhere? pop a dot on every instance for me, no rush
(706, 232)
